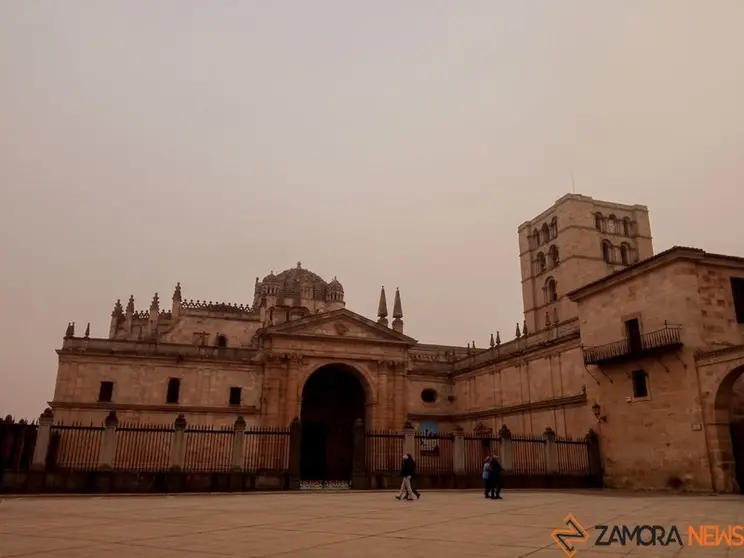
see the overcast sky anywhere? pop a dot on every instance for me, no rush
(384, 142)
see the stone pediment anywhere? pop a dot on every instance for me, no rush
(342, 324)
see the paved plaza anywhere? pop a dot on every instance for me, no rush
(348, 525)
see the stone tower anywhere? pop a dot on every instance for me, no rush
(574, 242)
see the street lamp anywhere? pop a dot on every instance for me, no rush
(596, 409)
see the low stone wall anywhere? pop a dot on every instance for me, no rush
(126, 482)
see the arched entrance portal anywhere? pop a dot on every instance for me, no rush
(332, 400)
(729, 423)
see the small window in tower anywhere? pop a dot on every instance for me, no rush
(551, 290)
(106, 392)
(737, 290)
(624, 254)
(626, 227)
(640, 384)
(221, 341)
(428, 396)
(607, 252)
(541, 265)
(174, 388)
(598, 221)
(545, 233)
(554, 257)
(235, 394)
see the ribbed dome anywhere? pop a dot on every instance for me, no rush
(295, 282)
(335, 285)
(270, 278)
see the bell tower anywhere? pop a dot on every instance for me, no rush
(574, 242)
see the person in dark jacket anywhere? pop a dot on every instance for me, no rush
(407, 471)
(494, 479)
(413, 476)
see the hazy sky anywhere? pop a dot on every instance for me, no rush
(395, 143)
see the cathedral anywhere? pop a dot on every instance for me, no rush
(647, 350)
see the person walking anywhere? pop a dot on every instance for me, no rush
(406, 471)
(413, 476)
(494, 479)
(487, 477)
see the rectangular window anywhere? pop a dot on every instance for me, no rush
(737, 289)
(106, 392)
(235, 393)
(640, 384)
(174, 387)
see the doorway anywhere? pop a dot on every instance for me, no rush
(332, 400)
(737, 448)
(633, 330)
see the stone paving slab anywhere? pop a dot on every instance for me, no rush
(350, 525)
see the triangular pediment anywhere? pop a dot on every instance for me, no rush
(343, 324)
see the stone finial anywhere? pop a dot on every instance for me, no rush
(382, 307)
(70, 331)
(473, 345)
(112, 420)
(397, 307)
(492, 343)
(87, 331)
(176, 293)
(130, 305)
(547, 319)
(504, 431)
(118, 309)
(498, 339)
(155, 304)
(239, 423)
(299, 265)
(524, 328)
(518, 333)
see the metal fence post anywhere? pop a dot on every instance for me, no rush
(238, 446)
(458, 452)
(178, 444)
(358, 475)
(551, 451)
(107, 450)
(409, 440)
(505, 449)
(295, 449)
(43, 437)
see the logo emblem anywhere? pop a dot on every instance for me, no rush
(564, 538)
(341, 328)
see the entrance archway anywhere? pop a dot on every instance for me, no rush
(333, 398)
(729, 428)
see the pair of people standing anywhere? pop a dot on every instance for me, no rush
(407, 471)
(492, 478)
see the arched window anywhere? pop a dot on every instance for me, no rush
(612, 224)
(607, 251)
(626, 227)
(598, 221)
(551, 290)
(535, 238)
(544, 233)
(554, 227)
(554, 258)
(624, 254)
(541, 262)
(221, 341)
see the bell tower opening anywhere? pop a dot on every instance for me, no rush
(333, 398)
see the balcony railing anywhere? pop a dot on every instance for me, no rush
(669, 337)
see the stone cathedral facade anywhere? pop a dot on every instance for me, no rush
(646, 349)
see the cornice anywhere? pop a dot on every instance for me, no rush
(566, 401)
(165, 408)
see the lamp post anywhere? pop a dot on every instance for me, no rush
(597, 410)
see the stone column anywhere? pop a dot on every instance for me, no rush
(178, 444)
(401, 382)
(295, 449)
(107, 450)
(458, 452)
(43, 437)
(551, 452)
(505, 448)
(384, 415)
(291, 404)
(238, 449)
(359, 474)
(409, 440)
